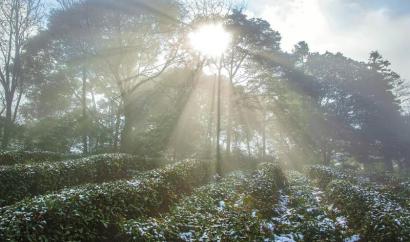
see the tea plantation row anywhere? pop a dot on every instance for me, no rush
(20, 181)
(94, 212)
(373, 214)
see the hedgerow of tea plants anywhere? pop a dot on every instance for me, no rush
(24, 157)
(397, 188)
(375, 216)
(325, 174)
(232, 209)
(301, 214)
(21, 181)
(392, 187)
(93, 212)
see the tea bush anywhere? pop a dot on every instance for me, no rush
(232, 209)
(300, 214)
(397, 188)
(93, 212)
(24, 157)
(264, 184)
(385, 183)
(20, 181)
(375, 216)
(325, 174)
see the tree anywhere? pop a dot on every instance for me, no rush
(357, 97)
(70, 28)
(19, 19)
(251, 39)
(301, 52)
(122, 45)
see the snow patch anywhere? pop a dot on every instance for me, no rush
(221, 206)
(186, 236)
(284, 238)
(352, 238)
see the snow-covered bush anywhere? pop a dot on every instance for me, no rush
(385, 183)
(92, 212)
(21, 181)
(264, 184)
(397, 188)
(229, 210)
(325, 174)
(301, 215)
(375, 216)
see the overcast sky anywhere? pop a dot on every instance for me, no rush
(353, 27)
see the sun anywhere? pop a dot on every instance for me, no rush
(210, 40)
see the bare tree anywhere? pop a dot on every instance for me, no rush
(206, 9)
(67, 4)
(19, 20)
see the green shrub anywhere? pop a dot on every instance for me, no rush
(228, 210)
(397, 188)
(301, 215)
(375, 216)
(24, 157)
(325, 174)
(264, 183)
(20, 181)
(93, 212)
(386, 183)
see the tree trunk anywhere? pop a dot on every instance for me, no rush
(126, 134)
(117, 130)
(218, 123)
(84, 111)
(229, 124)
(248, 144)
(388, 164)
(325, 160)
(210, 122)
(263, 134)
(7, 123)
(326, 153)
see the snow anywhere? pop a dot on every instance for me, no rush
(284, 238)
(353, 238)
(221, 206)
(270, 226)
(317, 193)
(341, 221)
(204, 237)
(186, 236)
(134, 183)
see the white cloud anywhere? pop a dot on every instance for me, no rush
(340, 25)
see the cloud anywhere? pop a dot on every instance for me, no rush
(352, 27)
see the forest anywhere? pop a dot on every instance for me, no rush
(186, 120)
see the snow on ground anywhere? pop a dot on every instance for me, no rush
(352, 238)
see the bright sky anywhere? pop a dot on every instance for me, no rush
(353, 27)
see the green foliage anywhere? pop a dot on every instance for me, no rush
(396, 187)
(325, 174)
(51, 133)
(264, 182)
(301, 215)
(23, 157)
(93, 212)
(20, 181)
(231, 209)
(374, 215)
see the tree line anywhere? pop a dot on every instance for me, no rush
(95, 76)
